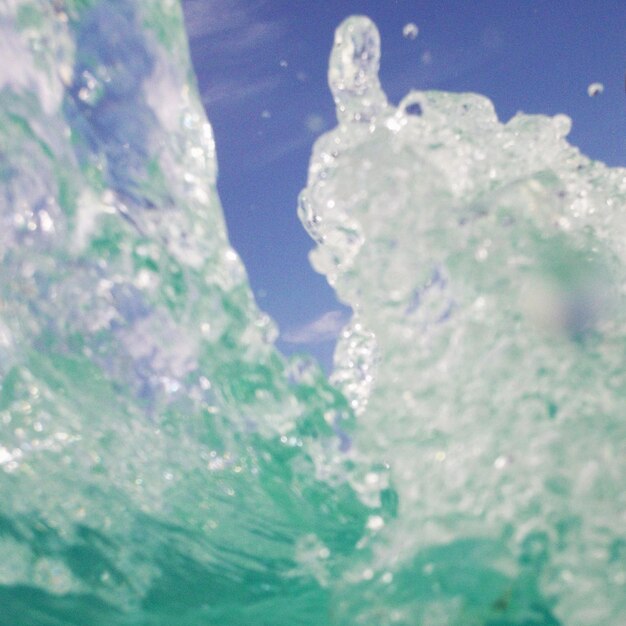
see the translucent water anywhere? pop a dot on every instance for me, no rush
(161, 463)
(484, 263)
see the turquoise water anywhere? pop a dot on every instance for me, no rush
(162, 464)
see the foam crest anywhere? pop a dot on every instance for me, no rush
(353, 71)
(485, 263)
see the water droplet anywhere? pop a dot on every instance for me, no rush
(5, 456)
(375, 522)
(410, 30)
(501, 462)
(595, 89)
(368, 574)
(323, 553)
(315, 123)
(353, 71)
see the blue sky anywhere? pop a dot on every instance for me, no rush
(261, 67)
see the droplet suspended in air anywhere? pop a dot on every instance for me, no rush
(410, 30)
(315, 123)
(595, 89)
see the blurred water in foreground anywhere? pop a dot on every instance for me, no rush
(162, 464)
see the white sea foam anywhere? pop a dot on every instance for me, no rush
(486, 262)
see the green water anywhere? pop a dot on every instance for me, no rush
(162, 464)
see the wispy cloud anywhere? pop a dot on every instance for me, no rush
(235, 90)
(324, 328)
(207, 17)
(231, 42)
(236, 20)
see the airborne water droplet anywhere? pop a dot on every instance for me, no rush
(410, 31)
(595, 89)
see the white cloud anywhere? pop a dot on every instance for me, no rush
(230, 36)
(235, 19)
(324, 328)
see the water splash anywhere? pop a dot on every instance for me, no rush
(485, 265)
(353, 71)
(161, 463)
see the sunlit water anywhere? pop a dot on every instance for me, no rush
(162, 464)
